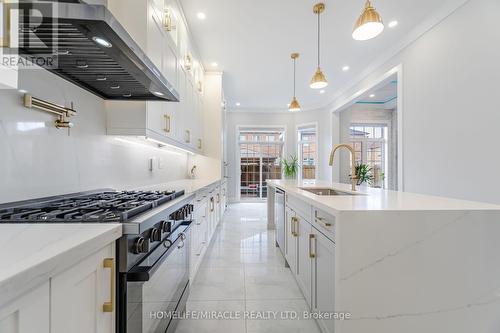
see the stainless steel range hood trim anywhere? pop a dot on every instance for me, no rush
(99, 22)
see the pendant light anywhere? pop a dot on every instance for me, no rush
(369, 24)
(294, 105)
(318, 80)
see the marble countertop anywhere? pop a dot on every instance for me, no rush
(188, 185)
(372, 199)
(32, 253)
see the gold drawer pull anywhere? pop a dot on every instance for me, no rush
(167, 123)
(110, 306)
(325, 222)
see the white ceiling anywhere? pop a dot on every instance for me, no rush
(251, 40)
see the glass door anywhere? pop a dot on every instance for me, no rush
(260, 159)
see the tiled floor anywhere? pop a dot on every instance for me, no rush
(244, 273)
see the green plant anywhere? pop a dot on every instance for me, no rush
(364, 174)
(290, 166)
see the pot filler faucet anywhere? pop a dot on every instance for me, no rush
(354, 178)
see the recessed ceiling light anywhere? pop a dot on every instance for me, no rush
(392, 24)
(345, 68)
(201, 15)
(158, 93)
(214, 64)
(322, 91)
(238, 103)
(372, 95)
(101, 41)
(23, 91)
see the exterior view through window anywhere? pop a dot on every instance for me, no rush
(371, 148)
(308, 149)
(260, 156)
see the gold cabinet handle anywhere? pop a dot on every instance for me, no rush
(218, 198)
(187, 137)
(295, 226)
(167, 123)
(110, 306)
(321, 220)
(199, 144)
(212, 206)
(312, 252)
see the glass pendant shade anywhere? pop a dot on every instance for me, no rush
(294, 105)
(369, 24)
(318, 80)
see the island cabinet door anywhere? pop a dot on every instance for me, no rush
(323, 274)
(82, 298)
(303, 271)
(291, 239)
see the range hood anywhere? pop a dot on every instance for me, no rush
(91, 49)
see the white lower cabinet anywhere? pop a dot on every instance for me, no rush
(27, 314)
(291, 239)
(83, 297)
(304, 261)
(311, 257)
(199, 236)
(323, 275)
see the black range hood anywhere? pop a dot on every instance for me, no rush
(87, 46)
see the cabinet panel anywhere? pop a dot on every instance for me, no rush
(155, 39)
(27, 314)
(291, 240)
(78, 295)
(304, 260)
(324, 278)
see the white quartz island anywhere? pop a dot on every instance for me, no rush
(402, 262)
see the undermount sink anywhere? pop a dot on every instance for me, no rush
(326, 191)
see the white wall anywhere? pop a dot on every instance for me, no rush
(450, 77)
(37, 160)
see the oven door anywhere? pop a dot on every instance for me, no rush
(157, 287)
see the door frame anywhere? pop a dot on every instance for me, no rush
(238, 155)
(370, 84)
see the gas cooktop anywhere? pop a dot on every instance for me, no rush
(101, 207)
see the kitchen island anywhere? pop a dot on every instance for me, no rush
(393, 261)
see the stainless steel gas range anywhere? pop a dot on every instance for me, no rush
(153, 253)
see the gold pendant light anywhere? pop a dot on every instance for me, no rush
(369, 24)
(318, 80)
(294, 105)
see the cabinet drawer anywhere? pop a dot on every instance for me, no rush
(324, 222)
(299, 206)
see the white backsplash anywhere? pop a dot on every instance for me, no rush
(36, 159)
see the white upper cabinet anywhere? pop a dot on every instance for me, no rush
(158, 26)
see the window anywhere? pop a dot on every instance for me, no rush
(307, 149)
(260, 155)
(371, 147)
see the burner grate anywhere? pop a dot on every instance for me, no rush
(96, 208)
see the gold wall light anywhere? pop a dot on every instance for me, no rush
(294, 104)
(369, 24)
(318, 80)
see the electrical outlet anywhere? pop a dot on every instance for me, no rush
(151, 163)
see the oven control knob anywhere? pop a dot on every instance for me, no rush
(155, 235)
(141, 245)
(166, 226)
